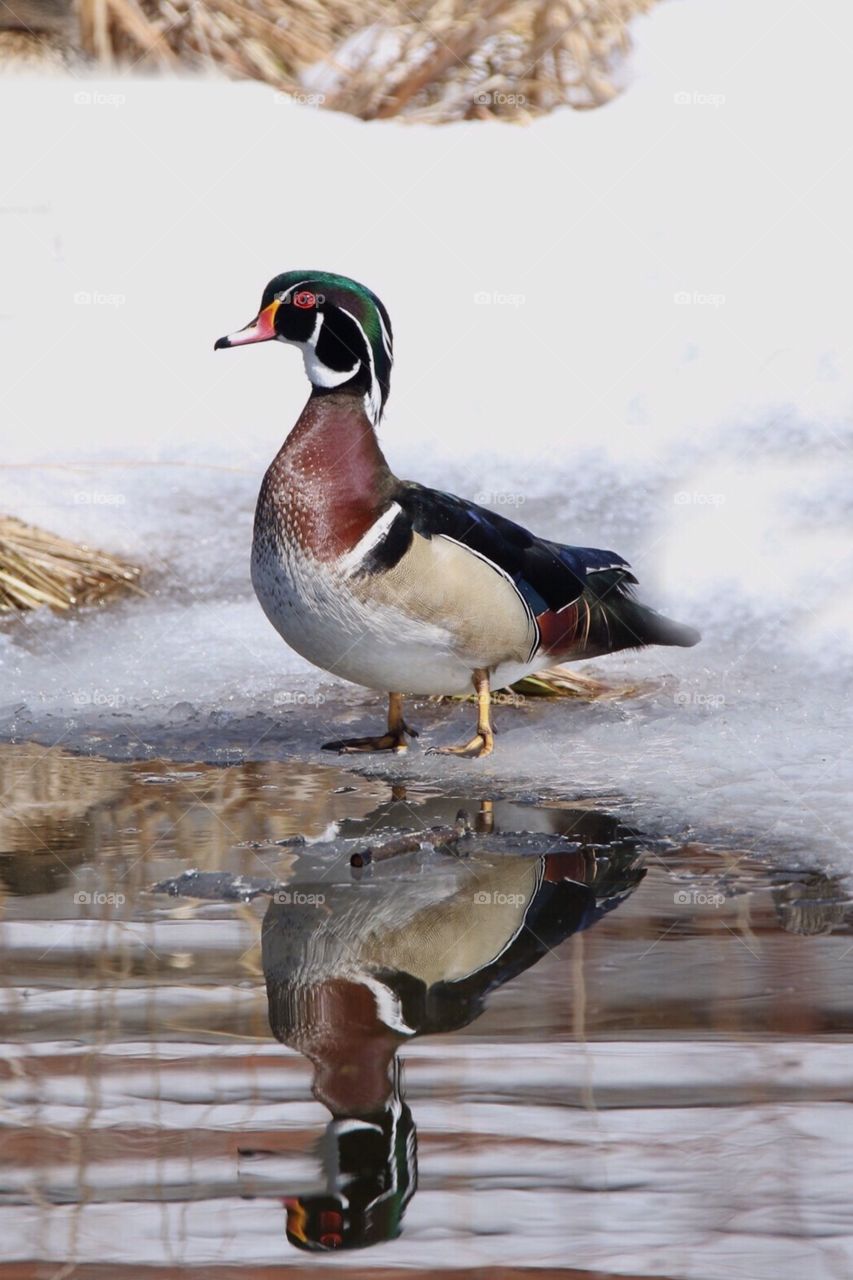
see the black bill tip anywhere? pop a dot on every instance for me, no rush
(221, 342)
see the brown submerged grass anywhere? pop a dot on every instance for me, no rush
(433, 60)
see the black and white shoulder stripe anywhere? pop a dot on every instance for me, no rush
(383, 545)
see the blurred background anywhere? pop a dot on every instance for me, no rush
(427, 61)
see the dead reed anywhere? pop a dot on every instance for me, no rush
(431, 60)
(38, 568)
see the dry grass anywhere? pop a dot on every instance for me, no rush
(559, 682)
(38, 568)
(434, 60)
(562, 682)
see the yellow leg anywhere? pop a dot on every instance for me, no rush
(393, 740)
(483, 742)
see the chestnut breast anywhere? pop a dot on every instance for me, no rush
(329, 482)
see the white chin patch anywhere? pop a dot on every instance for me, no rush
(320, 374)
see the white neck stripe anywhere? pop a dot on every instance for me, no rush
(386, 337)
(373, 399)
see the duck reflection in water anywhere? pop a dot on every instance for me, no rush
(405, 954)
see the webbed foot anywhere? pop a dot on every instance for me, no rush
(481, 744)
(394, 738)
(380, 742)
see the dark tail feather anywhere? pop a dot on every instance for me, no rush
(647, 626)
(619, 621)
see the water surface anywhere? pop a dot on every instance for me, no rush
(561, 1044)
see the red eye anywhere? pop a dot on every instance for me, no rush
(305, 300)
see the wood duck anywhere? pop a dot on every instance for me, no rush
(391, 585)
(357, 969)
(350, 983)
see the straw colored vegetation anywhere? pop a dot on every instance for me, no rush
(434, 60)
(564, 682)
(38, 568)
(561, 682)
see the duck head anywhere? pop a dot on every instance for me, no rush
(342, 329)
(370, 1166)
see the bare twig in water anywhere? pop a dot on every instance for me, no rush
(436, 837)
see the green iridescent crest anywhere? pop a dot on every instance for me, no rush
(346, 334)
